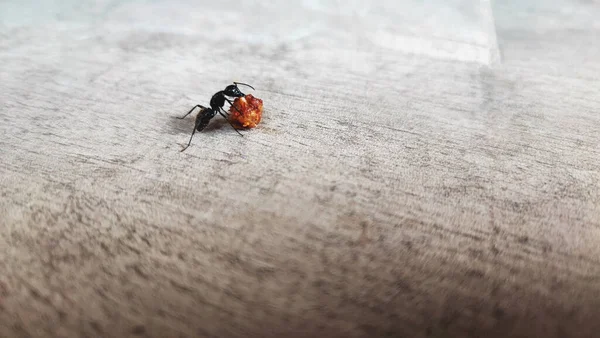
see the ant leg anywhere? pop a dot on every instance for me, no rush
(224, 111)
(191, 110)
(234, 128)
(245, 84)
(190, 142)
(231, 103)
(202, 120)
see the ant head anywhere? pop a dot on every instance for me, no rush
(233, 91)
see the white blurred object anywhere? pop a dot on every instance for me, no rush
(457, 29)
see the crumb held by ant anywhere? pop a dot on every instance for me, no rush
(246, 112)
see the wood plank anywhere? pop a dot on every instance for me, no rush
(443, 184)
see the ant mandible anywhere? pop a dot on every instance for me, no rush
(216, 107)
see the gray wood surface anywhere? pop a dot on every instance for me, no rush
(423, 169)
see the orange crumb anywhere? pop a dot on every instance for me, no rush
(251, 111)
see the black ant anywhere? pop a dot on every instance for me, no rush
(216, 107)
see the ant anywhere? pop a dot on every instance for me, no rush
(216, 107)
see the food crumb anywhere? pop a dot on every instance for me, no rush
(249, 114)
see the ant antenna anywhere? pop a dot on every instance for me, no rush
(240, 83)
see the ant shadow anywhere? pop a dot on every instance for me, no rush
(177, 126)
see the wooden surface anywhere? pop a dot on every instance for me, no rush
(422, 170)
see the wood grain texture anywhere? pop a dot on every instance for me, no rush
(442, 185)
